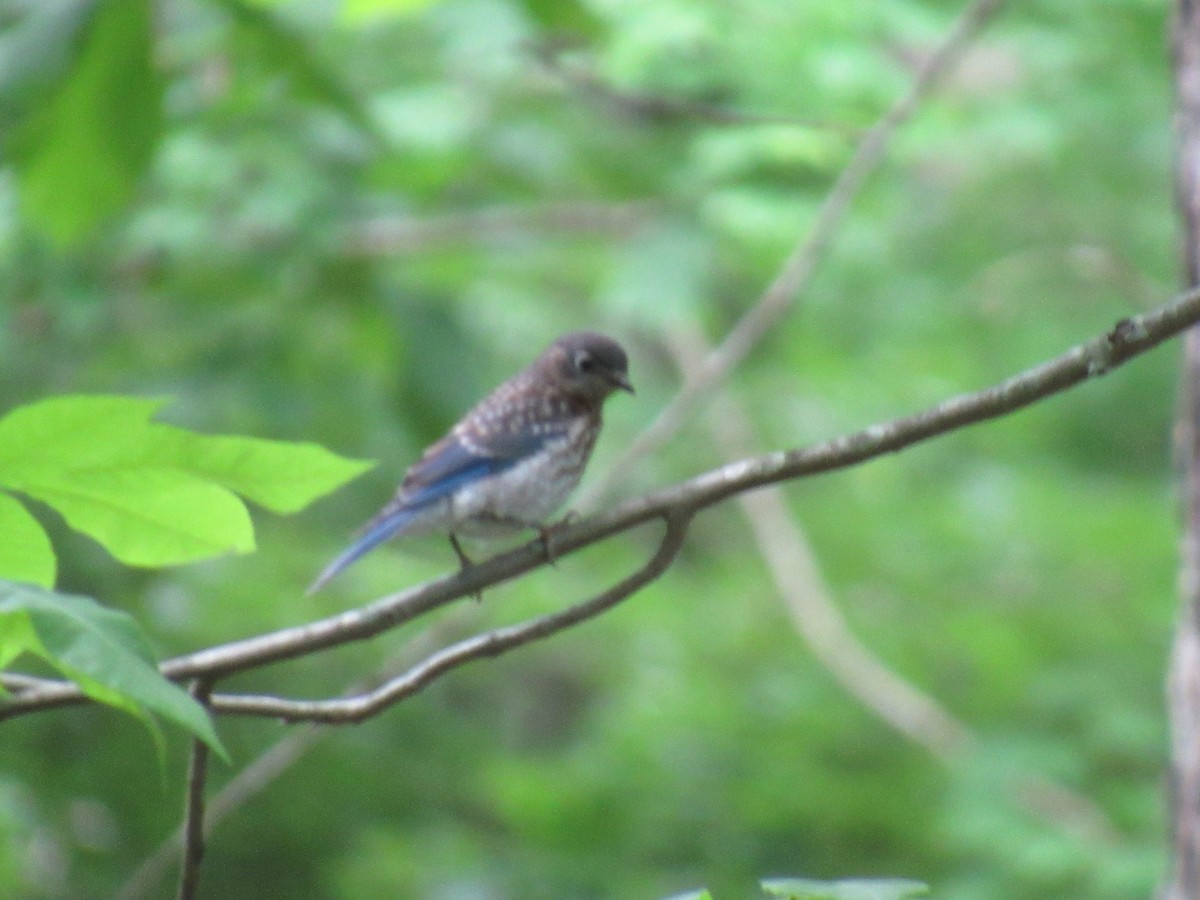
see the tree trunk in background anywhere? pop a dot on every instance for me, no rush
(1183, 683)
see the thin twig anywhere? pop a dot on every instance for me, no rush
(663, 108)
(798, 269)
(18, 682)
(1099, 356)
(193, 814)
(269, 765)
(261, 772)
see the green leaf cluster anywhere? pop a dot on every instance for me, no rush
(82, 152)
(151, 494)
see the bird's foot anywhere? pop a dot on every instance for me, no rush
(546, 532)
(464, 562)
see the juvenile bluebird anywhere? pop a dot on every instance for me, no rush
(512, 460)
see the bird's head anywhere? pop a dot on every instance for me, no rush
(589, 365)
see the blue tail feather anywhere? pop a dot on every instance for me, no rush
(387, 527)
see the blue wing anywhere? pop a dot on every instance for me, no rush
(445, 467)
(450, 463)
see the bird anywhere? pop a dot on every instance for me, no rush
(512, 460)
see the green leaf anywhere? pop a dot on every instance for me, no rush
(282, 477)
(151, 494)
(355, 12)
(102, 650)
(565, 17)
(25, 551)
(92, 459)
(35, 54)
(146, 516)
(846, 889)
(75, 430)
(80, 157)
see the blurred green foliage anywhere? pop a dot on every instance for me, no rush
(344, 222)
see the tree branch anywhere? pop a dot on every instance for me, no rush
(1127, 339)
(18, 682)
(490, 643)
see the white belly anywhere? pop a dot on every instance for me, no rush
(522, 496)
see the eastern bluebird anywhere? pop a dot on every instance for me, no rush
(512, 460)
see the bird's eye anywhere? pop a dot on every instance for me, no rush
(585, 363)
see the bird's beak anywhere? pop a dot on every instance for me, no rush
(621, 381)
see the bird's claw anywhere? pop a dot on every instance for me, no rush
(464, 563)
(545, 532)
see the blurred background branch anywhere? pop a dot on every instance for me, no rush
(393, 235)
(658, 108)
(800, 266)
(795, 571)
